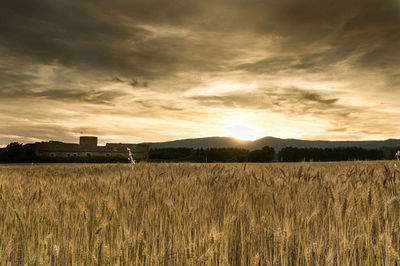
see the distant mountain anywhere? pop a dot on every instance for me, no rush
(209, 142)
(276, 143)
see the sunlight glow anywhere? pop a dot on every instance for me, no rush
(241, 132)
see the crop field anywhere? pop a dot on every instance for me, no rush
(200, 214)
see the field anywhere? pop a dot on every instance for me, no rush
(200, 214)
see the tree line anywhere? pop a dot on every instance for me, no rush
(19, 153)
(266, 154)
(291, 154)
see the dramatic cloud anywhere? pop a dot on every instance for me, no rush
(152, 70)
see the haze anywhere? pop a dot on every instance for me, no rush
(136, 71)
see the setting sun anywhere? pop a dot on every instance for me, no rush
(241, 132)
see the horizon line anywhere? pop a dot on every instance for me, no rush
(225, 137)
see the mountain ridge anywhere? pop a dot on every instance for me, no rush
(276, 143)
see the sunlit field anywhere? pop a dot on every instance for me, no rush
(200, 214)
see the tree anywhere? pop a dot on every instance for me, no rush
(266, 154)
(12, 153)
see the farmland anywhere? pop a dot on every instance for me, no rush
(343, 213)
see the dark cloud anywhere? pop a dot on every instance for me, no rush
(132, 82)
(136, 83)
(269, 99)
(86, 96)
(315, 97)
(307, 99)
(307, 62)
(102, 35)
(117, 79)
(315, 35)
(234, 100)
(171, 108)
(128, 37)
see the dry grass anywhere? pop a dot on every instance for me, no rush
(200, 214)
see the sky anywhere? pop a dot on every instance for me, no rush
(148, 70)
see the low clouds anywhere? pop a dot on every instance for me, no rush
(291, 101)
(132, 82)
(87, 96)
(236, 100)
(318, 61)
(315, 97)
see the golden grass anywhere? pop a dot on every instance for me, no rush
(200, 214)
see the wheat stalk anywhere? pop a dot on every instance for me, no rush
(131, 160)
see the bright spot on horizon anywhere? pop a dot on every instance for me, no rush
(240, 132)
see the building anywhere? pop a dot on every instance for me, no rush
(88, 147)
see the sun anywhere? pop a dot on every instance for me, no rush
(240, 132)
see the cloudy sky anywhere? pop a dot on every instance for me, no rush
(149, 70)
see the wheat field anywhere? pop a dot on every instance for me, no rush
(200, 214)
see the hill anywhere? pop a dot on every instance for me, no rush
(208, 142)
(276, 143)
